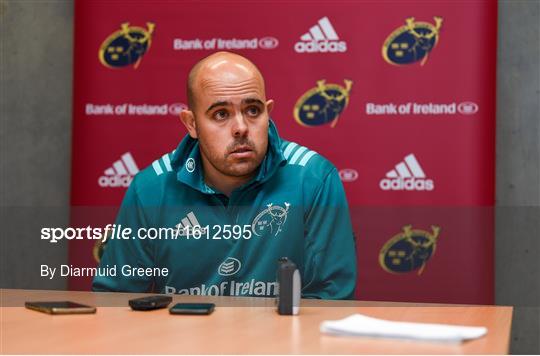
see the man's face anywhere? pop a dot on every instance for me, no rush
(231, 122)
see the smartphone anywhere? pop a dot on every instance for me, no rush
(61, 307)
(193, 308)
(150, 303)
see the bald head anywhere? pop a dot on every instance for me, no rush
(220, 67)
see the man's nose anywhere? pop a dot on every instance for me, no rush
(240, 125)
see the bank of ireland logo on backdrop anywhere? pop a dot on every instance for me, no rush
(407, 175)
(120, 174)
(348, 174)
(270, 220)
(229, 267)
(467, 108)
(410, 250)
(412, 42)
(268, 42)
(321, 38)
(322, 104)
(126, 46)
(227, 44)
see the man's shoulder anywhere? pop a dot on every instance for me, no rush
(156, 175)
(304, 161)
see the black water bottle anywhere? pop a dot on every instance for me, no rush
(289, 286)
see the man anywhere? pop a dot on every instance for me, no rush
(239, 198)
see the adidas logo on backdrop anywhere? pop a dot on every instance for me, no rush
(120, 174)
(407, 175)
(321, 38)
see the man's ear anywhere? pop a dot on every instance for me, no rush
(188, 119)
(269, 105)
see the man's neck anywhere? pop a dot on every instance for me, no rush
(227, 186)
(222, 183)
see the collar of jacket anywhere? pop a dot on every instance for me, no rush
(186, 162)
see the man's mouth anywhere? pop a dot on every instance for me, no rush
(242, 151)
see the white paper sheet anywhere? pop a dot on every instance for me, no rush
(361, 325)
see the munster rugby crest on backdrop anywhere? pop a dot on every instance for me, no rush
(322, 104)
(126, 46)
(412, 42)
(409, 250)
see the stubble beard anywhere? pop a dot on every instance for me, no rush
(229, 167)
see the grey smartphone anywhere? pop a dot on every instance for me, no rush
(60, 307)
(193, 308)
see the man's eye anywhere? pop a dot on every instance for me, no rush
(221, 115)
(253, 111)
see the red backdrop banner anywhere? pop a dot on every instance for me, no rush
(400, 96)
